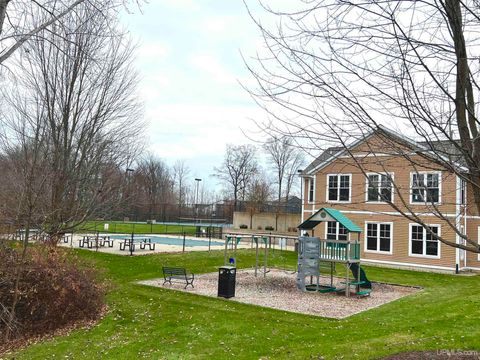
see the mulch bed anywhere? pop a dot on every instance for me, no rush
(278, 290)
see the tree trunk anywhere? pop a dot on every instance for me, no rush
(16, 292)
(3, 11)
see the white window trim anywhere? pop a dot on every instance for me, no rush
(337, 231)
(439, 202)
(438, 256)
(349, 192)
(311, 179)
(366, 187)
(378, 238)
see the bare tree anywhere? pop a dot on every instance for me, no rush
(180, 173)
(297, 161)
(336, 71)
(285, 160)
(18, 29)
(82, 84)
(24, 183)
(154, 186)
(258, 195)
(71, 125)
(237, 170)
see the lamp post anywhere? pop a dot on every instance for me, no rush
(127, 171)
(196, 199)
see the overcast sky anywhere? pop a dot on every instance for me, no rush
(190, 65)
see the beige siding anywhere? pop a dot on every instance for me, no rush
(400, 241)
(472, 232)
(360, 211)
(401, 172)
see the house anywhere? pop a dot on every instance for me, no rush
(381, 177)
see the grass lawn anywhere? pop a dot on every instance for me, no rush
(153, 323)
(121, 227)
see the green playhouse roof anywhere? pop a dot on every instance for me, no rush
(328, 214)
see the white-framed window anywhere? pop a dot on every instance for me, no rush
(339, 187)
(336, 231)
(311, 190)
(425, 187)
(423, 243)
(378, 237)
(379, 187)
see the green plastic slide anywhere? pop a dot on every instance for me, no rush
(355, 267)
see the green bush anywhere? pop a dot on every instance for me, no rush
(269, 228)
(243, 226)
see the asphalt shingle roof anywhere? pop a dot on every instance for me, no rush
(444, 148)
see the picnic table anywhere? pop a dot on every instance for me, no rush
(94, 241)
(143, 242)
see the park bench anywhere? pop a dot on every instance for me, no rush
(174, 273)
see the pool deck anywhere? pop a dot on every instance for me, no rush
(159, 248)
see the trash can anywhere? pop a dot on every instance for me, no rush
(226, 281)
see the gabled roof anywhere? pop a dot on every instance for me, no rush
(329, 214)
(445, 149)
(331, 151)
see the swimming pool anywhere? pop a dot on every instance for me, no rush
(157, 239)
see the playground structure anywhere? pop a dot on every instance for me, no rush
(234, 240)
(257, 239)
(313, 251)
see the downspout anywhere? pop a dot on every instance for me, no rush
(458, 221)
(302, 197)
(465, 222)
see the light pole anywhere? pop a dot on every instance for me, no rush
(196, 199)
(129, 171)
